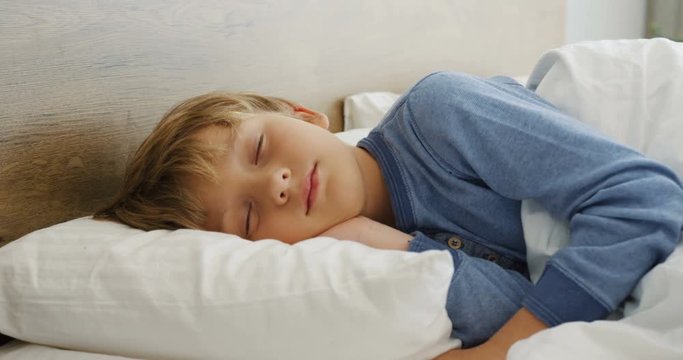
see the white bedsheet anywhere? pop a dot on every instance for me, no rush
(631, 90)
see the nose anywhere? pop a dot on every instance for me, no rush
(279, 185)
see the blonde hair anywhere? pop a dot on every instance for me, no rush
(155, 192)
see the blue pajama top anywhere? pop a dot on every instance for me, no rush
(458, 153)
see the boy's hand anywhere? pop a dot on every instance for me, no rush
(369, 232)
(521, 326)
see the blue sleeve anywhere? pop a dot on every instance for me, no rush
(482, 296)
(625, 211)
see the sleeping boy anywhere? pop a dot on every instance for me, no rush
(447, 168)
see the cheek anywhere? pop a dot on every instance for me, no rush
(284, 227)
(347, 197)
(342, 201)
(292, 229)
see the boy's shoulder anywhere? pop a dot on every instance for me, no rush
(434, 97)
(442, 92)
(438, 104)
(446, 79)
(439, 92)
(453, 84)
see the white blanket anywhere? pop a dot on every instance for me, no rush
(632, 90)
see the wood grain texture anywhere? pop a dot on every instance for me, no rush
(83, 82)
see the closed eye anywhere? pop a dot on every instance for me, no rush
(247, 221)
(258, 149)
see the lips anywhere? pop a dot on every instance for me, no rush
(311, 188)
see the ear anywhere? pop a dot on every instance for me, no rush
(311, 116)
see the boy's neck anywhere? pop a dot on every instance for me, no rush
(377, 204)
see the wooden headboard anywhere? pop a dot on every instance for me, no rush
(83, 82)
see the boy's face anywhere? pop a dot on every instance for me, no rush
(283, 178)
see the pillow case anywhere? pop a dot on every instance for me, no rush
(103, 287)
(366, 109)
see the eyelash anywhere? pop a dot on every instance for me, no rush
(246, 226)
(258, 152)
(258, 148)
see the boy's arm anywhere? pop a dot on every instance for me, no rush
(370, 233)
(622, 208)
(521, 326)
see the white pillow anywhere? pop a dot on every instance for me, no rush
(366, 109)
(103, 287)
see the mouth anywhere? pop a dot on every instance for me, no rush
(311, 188)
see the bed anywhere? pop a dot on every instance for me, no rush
(84, 82)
